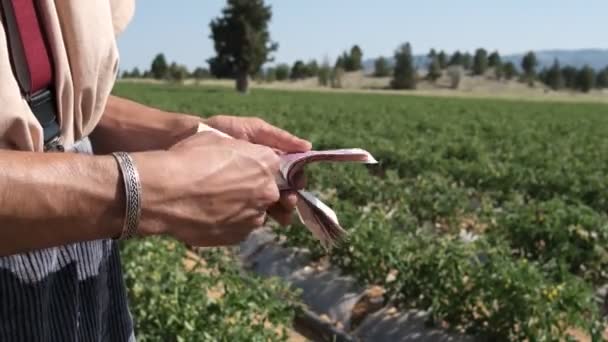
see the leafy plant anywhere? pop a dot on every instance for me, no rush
(209, 301)
(489, 214)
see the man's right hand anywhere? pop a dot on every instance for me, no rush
(207, 190)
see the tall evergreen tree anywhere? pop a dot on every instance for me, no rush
(529, 64)
(480, 62)
(355, 59)
(312, 68)
(298, 70)
(341, 61)
(569, 74)
(601, 80)
(242, 40)
(136, 73)
(404, 73)
(456, 58)
(159, 67)
(585, 79)
(494, 60)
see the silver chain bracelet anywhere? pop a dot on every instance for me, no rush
(133, 194)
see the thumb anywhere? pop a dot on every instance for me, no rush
(271, 136)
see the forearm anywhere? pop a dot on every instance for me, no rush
(52, 199)
(132, 127)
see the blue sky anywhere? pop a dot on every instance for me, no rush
(316, 28)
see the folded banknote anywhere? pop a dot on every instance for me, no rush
(320, 219)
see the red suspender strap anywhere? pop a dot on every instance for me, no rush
(31, 62)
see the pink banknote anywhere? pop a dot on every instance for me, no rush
(320, 219)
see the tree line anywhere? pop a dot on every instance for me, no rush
(161, 70)
(243, 46)
(405, 74)
(403, 70)
(490, 65)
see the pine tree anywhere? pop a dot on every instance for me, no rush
(585, 79)
(381, 67)
(601, 81)
(569, 74)
(456, 58)
(135, 73)
(480, 62)
(528, 64)
(241, 39)
(404, 73)
(494, 60)
(341, 61)
(355, 59)
(554, 77)
(312, 68)
(159, 67)
(298, 71)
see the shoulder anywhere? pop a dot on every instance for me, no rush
(122, 13)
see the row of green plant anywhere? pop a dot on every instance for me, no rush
(525, 183)
(209, 300)
(476, 287)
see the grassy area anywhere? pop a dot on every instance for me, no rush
(525, 182)
(471, 87)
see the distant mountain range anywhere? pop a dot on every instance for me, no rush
(595, 58)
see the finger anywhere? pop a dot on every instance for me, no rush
(271, 136)
(258, 222)
(279, 214)
(288, 200)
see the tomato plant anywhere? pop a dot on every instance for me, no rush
(526, 181)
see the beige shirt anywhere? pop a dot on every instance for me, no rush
(82, 39)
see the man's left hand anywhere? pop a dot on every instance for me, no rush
(258, 131)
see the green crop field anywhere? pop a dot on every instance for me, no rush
(489, 213)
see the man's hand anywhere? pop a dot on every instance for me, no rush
(258, 131)
(132, 127)
(207, 190)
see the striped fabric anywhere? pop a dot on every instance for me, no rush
(69, 293)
